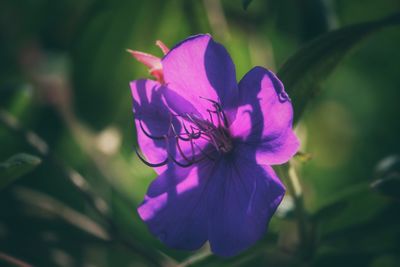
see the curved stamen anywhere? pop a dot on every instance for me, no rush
(171, 157)
(150, 135)
(211, 116)
(218, 110)
(188, 127)
(195, 135)
(221, 114)
(208, 99)
(192, 134)
(183, 165)
(179, 135)
(153, 165)
(183, 154)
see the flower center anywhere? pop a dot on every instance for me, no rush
(216, 132)
(192, 130)
(223, 140)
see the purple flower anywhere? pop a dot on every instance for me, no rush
(211, 141)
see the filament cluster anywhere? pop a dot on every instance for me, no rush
(192, 130)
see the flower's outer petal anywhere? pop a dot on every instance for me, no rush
(162, 46)
(154, 116)
(173, 208)
(197, 68)
(264, 118)
(150, 61)
(242, 198)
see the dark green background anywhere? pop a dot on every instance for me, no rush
(64, 73)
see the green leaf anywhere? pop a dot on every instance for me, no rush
(303, 72)
(246, 3)
(348, 209)
(335, 205)
(17, 166)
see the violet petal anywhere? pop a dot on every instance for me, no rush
(264, 118)
(173, 208)
(200, 68)
(242, 198)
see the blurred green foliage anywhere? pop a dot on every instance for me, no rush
(15, 167)
(64, 75)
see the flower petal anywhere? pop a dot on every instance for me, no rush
(227, 202)
(242, 198)
(199, 68)
(150, 61)
(273, 152)
(173, 208)
(264, 118)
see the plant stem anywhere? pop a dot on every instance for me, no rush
(200, 256)
(295, 190)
